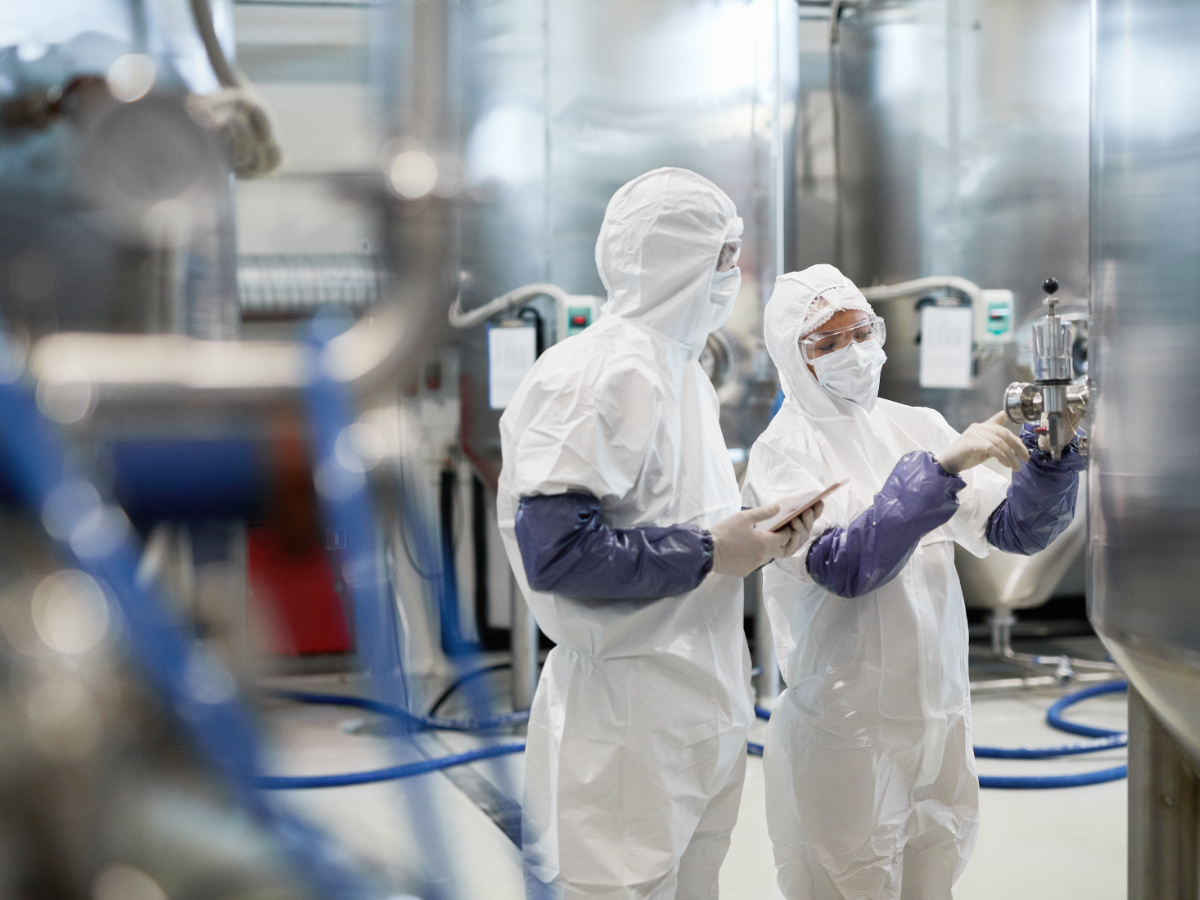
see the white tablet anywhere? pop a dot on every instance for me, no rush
(790, 507)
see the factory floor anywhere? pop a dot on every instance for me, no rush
(460, 826)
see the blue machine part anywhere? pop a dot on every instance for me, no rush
(96, 537)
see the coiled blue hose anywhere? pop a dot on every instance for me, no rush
(1106, 739)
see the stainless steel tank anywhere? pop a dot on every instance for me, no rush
(962, 149)
(1144, 477)
(565, 102)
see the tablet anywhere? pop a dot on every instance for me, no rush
(790, 507)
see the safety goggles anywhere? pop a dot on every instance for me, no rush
(820, 343)
(730, 251)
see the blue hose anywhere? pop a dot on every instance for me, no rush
(410, 718)
(1044, 782)
(1107, 739)
(1054, 715)
(294, 782)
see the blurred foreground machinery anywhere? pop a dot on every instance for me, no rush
(120, 132)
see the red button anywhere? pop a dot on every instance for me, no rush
(579, 320)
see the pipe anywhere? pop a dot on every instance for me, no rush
(1038, 681)
(1002, 621)
(920, 285)
(460, 319)
(524, 648)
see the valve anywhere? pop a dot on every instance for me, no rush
(1051, 395)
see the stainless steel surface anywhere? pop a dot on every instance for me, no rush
(1023, 402)
(1046, 401)
(524, 650)
(1144, 366)
(1002, 622)
(1164, 811)
(567, 102)
(962, 148)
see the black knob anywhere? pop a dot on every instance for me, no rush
(1050, 285)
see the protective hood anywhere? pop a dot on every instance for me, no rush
(657, 254)
(801, 303)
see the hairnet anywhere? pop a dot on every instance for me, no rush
(800, 303)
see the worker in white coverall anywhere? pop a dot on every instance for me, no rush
(871, 785)
(620, 515)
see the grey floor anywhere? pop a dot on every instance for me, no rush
(459, 828)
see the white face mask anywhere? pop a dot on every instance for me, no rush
(722, 294)
(852, 373)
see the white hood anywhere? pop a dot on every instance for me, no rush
(657, 253)
(794, 311)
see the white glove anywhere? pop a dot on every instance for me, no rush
(739, 549)
(983, 441)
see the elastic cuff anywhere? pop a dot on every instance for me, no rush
(1040, 457)
(706, 543)
(937, 465)
(958, 483)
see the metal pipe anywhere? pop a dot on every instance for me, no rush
(1038, 681)
(1002, 621)
(524, 649)
(920, 285)
(460, 319)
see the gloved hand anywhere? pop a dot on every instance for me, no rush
(1073, 421)
(983, 441)
(739, 549)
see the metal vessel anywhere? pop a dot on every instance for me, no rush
(961, 131)
(566, 103)
(1144, 474)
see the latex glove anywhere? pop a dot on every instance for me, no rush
(983, 441)
(739, 549)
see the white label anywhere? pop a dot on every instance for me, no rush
(511, 354)
(946, 346)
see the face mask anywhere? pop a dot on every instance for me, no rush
(852, 373)
(722, 294)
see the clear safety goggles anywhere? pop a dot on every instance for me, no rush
(820, 343)
(728, 258)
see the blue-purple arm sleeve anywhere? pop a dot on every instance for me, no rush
(567, 549)
(1040, 502)
(917, 497)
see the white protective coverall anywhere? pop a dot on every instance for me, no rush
(637, 737)
(871, 783)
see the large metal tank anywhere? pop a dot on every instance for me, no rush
(565, 102)
(959, 142)
(1145, 368)
(961, 130)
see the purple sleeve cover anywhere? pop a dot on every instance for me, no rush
(567, 549)
(1040, 502)
(917, 497)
